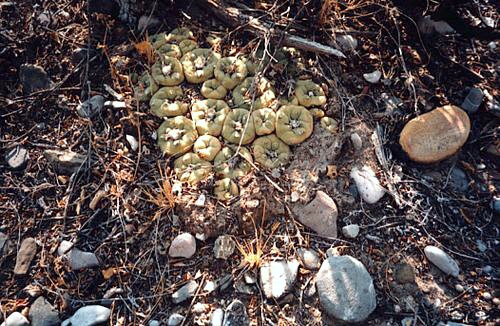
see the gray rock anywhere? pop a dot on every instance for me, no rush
(65, 162)
(91, 107)
(3, 240)
(473, 100)
(241, 287)
(278, 277)
(481, 245)
(309, 258)
(17, 158)
(25, 255)
(392, 103)
(347, 42)
(88, 316)
(175, 319)
(185, 292)
(77, 259)
(320, 215)
(224, 247)
(404, 273)
(487, 269)
(442, 260)
(310, 290)
(350, 231)
(33, 78)
(368, 184)
(356, 141)
(345, 289)
(147, 22)
(373, 77)
(184, 245)
(458, 180)
(16, 319)
(42, 313)
(487, 296)
(495, 204)
(217, 317)
(236, 314)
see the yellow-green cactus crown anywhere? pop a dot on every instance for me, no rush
(270, 151)
(168, 102)
(309, 93)
(213, 89)
(294, 124)
(191, 168)
(238, 127)
(264, 121)
(225, 189)
(176, 135)
(199, 65)
(207, 147)
(230, 71)
(209, 116)
(168, 71)
(228, 164)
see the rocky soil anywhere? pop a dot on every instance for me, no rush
(388, 216)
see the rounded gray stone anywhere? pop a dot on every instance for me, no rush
(345, 289)
(442, 260)
(42, 313)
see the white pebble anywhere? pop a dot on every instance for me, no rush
(373, 77)
(134, 144)
(350, 231)
(367, 183)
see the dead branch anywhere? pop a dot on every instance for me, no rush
(234, 17)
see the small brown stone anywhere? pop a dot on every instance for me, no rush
(26, 253)
(320, 215)
(435, 135)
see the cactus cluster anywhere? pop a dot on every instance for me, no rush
(240, 123)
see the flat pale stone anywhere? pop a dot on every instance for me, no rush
(77, 259)
(185, 292)
(367, 184)
(435, 135)
(184, 245)
(350, 231)
(217, 317)
(442, 260)
(65, 162)
(309, 258)
(16, 319)
(320, 215)
(345, 289)
(17, 157)
(88, 316)
(278, 277)
(26, 253)
(175, 319)
(224, 247)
